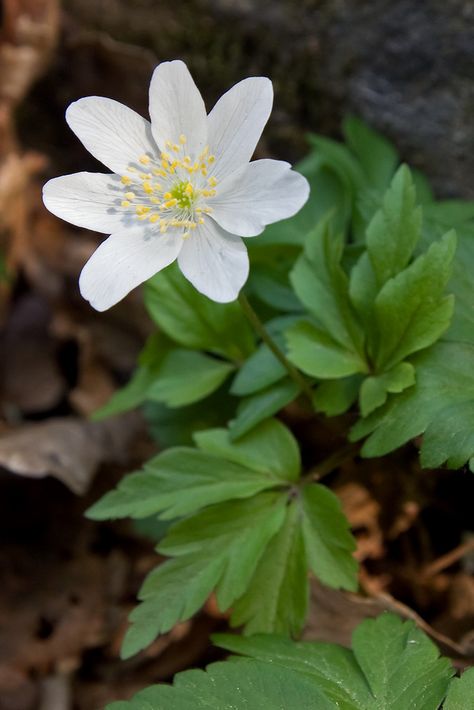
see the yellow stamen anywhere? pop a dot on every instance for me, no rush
(212, 181)
(182, 139)
(154, 218)
(144, 159)
(125, 180)
(130, 195)
(125, 203)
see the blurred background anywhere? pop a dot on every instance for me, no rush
(405, 67)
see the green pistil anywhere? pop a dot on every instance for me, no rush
(183, 193)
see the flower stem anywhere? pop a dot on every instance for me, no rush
(260, 329)
(333, 461)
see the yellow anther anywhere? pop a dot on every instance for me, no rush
(167, 195)
(155, 200)
(131, 169)
(130, 195)
(212, 181)
(165, 164)
(147, 187)
(204, 171)
(125, 180)
(192, 225)
(182, 139)
(201, 220)
(165, 156)
(144, 159)
(189, 189)
(163, 228)
(186, 159)
(161, 173)
(211, 159)
(141, 209)
(176, 148)
(154, 218)
(158, 186)
(125, 203)
(186, 235)
(171, 203)
(168, 144)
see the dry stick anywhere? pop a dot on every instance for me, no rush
(260, 329)
(448, 559)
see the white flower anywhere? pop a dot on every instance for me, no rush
(182, 186)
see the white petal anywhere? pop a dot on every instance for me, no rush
(258, 194)
(176, 107)
(236, 123)
(112, 132)
(90, 200)
(125, 260)
(215, 262)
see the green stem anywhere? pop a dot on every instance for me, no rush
(260, 329)
(329, 464)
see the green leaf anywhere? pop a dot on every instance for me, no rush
(328, 542)
(461, 692)
(259, 371)
(175, 427)
(411, 310)
(375, 153)
(444, 378)
(262, 405)
(195, 321)
(331, 668)
(375, 389)
(268, 448)
(277, 598)
(179, 481)
(240, 685)
(393, 665)
(401, 665)
(340, 159)
(219, 548)
(235, 531)
(318, 355)
(181, 586)
(136, 390)
(334, 397)
(187, 376)
(450, 213)
(322, 286)
(395, 229)
(460, 284)
(450, 437)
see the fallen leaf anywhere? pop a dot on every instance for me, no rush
(67, 448)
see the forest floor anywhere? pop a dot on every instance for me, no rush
(68, 584)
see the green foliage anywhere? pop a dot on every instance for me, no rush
(194, 321)
(261, 405)
(392, 666)
(363, 330)
(252, 530)
(461, 692)
(441, 405)
(239, 685)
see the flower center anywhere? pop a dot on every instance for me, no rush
(173, 193)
